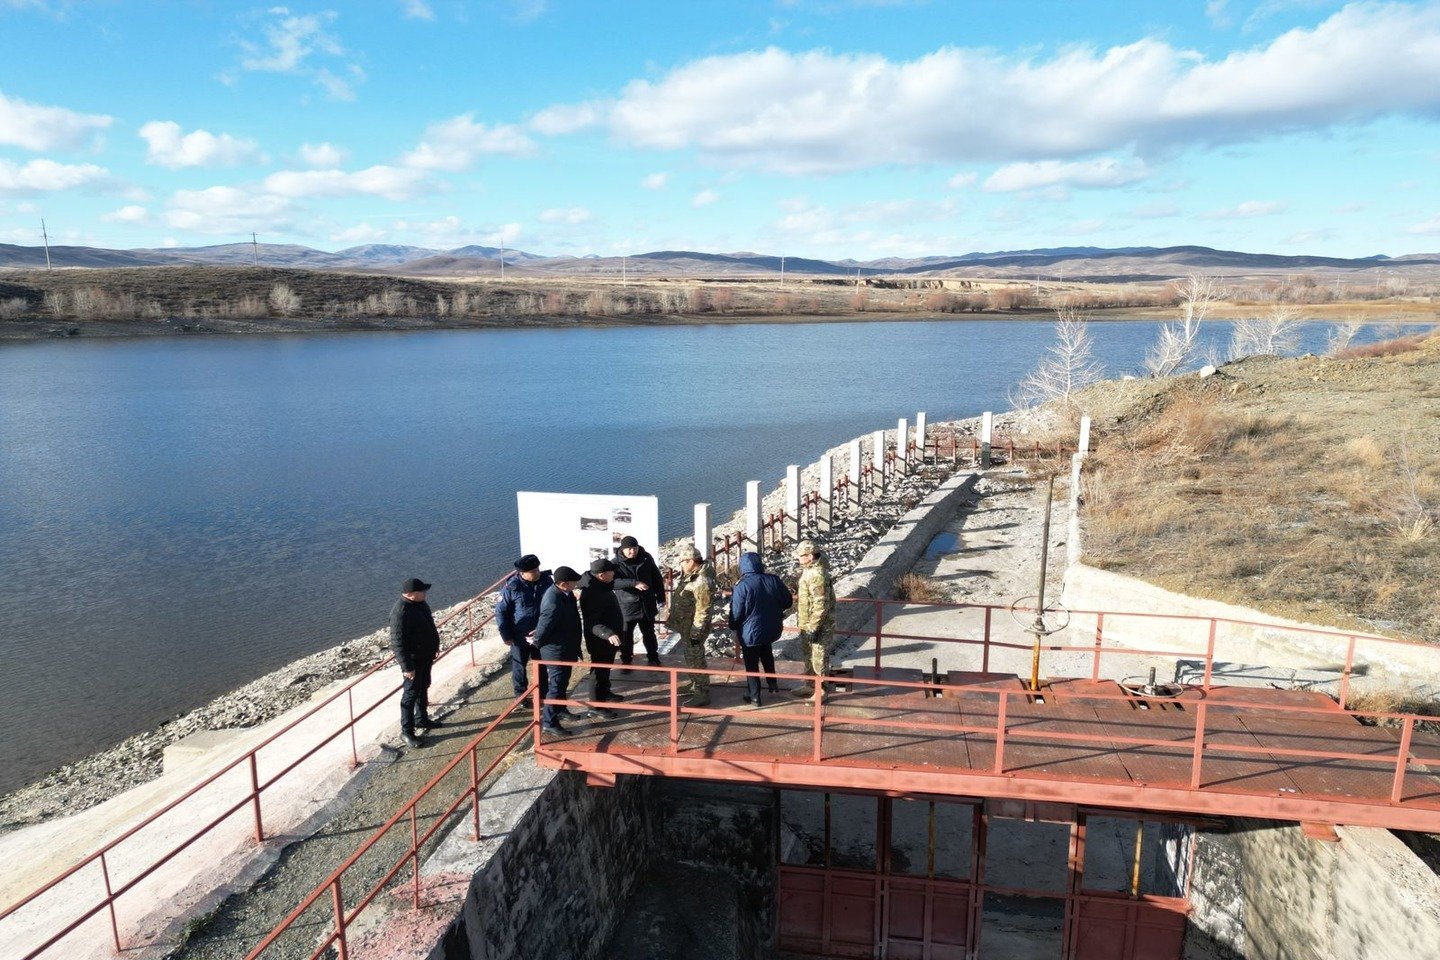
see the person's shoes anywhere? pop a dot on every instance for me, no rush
(753, 701)
(571, 713)
(694, 701)
(430, 723)
(554, 729)
(801, 692)
(600, 712)
(653, 661)
(774, 688)
(412, 741)
(613, 697)
(625, 670)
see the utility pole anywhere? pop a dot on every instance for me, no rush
(46, 234)
(254, 249)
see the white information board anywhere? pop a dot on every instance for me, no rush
(571, 529)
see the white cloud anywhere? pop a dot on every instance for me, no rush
(170, 147)
(360, 233)
(962, 180)
(454, 144)
(336, 87)
(656, 181)
(525, 11)
(1097, 173)
(325, 156)
(1246, 210)
(35, 127)
(704, 198)
(393, 183)
(229, 210)
(1430, 226)
(290, 41)
(567, 118)
(418, 10)
(568, 215)
(128, 214)
(44, 176)
(821, 111)
(449, 232)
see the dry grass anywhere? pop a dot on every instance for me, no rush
(1393, 700)
(1385, 348)
(1270, 492)
(915, 588)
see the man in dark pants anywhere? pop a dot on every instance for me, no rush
(415, 642)
(557, 637)
(641, 588)
(600, 614)
(516, 613)
(757, 615)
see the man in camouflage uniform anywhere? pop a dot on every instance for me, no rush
(815, 612)
(690, 618)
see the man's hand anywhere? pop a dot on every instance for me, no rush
(642, 585)
(615, 640)
(408, 674)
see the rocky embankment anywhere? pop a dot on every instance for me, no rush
(138, 759)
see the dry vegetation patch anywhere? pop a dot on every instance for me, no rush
(1308, 488)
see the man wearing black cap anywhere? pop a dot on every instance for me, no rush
(517, 611)
(642, 593)
(600, 614)
(557, 637)
(415, 642)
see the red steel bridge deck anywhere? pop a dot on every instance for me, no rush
(1229, 751)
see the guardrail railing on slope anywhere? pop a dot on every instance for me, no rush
(103, 858)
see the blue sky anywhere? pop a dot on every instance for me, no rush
(826, 128)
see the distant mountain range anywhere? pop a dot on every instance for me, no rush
(1088, 263)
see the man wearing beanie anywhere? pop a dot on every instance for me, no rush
(415, 641)
(642, 593)
(602, 620)
(557, 637)
(516, 613)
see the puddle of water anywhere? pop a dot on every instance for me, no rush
(944, 542)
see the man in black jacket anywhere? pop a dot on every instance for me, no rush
(601, 617)
(641, 589)
(557, 637)
(415, 642)
(516, 613)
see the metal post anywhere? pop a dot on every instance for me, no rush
(854, 471)
(703, 532)
(985, 656)
(674, 711)
(790, 527)
(338, 899)
(110, 902)
(1000, 724)
(1099, 633)
(818, 719)
(877, 458)
(354, 750)
(752, 513)
(255, 797)
(920, 442)
(1038, 627)
(1197, 757)
(987, 423)
(1402, 760)
(825, 514)
(1345, 677)
(902, 446)
(475, 788)
(1209, 657)
(414, 857)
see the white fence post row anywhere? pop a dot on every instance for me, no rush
(854, 467)
(877, 458)
(920, 434)
(703, 531)
(791, 526)
(902, 446)
(825, 516)
(752, 513)
(987, 424)
(1083, 447)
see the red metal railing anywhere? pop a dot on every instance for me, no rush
(252, 798)
(333, 885)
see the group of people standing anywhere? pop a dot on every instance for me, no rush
(553, 614)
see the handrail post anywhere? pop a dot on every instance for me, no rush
(1402, 760)
(255, 798)
(341, 947)
(879, 630)
(817, 719)
(674, 710)
(1209, 657)
(354, 750)
(535, 672)
(1000, 724)
(1197, 756)
(1099, 633)
(415, 856)
(475, 788)
(985, 654)
(110, 902)
(1345, 676)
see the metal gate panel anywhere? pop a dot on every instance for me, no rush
(927, 919)
(830, 913)
(1123, 929)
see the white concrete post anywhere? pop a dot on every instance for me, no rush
(791, 526)
(703, 530)
(902, 446)
(855, 464)
(1072, 538)
(826, 513)
(877, 458)
(752, 513)
(1083, 446)
(920, 434)
(987, 423)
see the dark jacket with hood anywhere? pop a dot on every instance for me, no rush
(599, 611)
(638, 605)
(518, 609)
(559, 625)
(413, 637)
(758, 603)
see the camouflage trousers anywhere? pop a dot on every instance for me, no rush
(697, 685)
(817, 651)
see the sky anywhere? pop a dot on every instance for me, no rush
(812, 128)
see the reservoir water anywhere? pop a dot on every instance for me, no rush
(180, 516)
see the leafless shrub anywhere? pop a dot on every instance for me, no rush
(55, 304)
(1342, 335)
(12, 308)
(250, 307)
(916, 588)
(939, 301)
(1413, 511)
(696, 301)
(442, 306)
(284, 301)
(859, 301)
(723, 299)
(599, 304)
(1176, 345)
(1013, 297)
(1384, 348)
(1067, 367)
(1274, 333)
(784, 303)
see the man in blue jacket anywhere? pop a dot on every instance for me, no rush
(517, 611)
(757, 615)
(557, 637)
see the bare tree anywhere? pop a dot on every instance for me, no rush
(1342, 335)
(1176, 346)
(283, 300)
(1272, 333)
(1066, 368)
